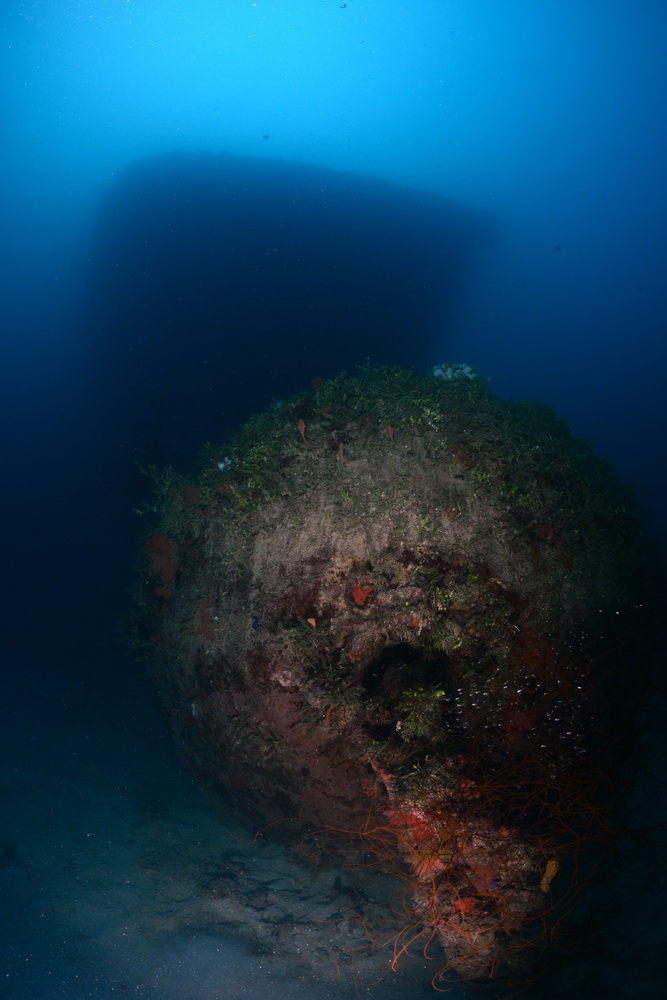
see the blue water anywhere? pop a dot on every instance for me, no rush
(207, 203)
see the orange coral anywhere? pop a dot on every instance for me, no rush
(465, 904)
(360, 593)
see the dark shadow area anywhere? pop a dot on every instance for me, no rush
(219, 282)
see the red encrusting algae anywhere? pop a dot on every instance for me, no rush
(161, 554)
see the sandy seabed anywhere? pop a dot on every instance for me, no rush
(119, 879)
